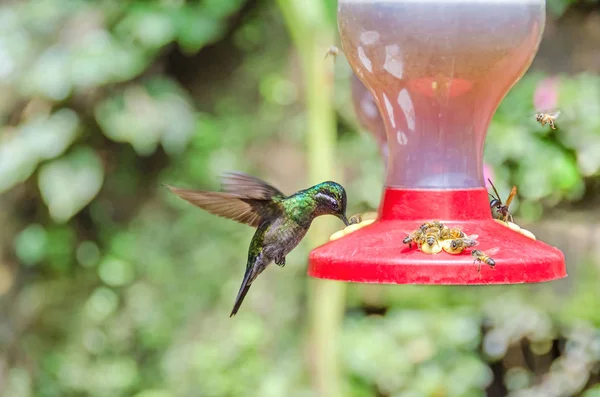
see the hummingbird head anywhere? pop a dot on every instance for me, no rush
(331, 200)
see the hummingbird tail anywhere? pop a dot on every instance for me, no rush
(242, 293)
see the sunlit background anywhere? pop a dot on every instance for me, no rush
(111, 286)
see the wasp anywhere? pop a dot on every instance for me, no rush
(481, 257)
(333, 51)
(500, 209)
(548, 117)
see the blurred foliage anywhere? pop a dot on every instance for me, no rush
(112, 287)
(519, 148)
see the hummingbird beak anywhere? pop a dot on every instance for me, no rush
(344, 219)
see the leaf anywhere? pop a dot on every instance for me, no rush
(154, 393)
(593, 392)
(558, 7)
(31, 244)
(222, 8)
(517, 106)
(116, 272)
(68, 184)
(588, 159)
(102, 59)
(49, 75)
(151, 26)
(507, 141)
(196, 29)
(41, 138)
(145, 115)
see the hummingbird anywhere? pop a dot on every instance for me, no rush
(281, 221)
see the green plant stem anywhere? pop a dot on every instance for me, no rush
(312, 35)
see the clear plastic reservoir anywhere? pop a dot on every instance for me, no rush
(368, 115)
(438, 70)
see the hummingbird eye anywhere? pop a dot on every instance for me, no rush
(329, 201)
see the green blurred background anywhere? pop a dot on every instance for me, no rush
(110, 286)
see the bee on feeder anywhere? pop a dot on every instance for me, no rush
(426, 237)
(433, 224)
(428, 233)
(547, 117)
(457, 246)
(333, 51)
(357, 221)
(365, 216)
(454, 240)
(354, 219)
(481, 257)
(434, 248)
(416, 237)
(500, 209)
(452, 233)
(431, 235)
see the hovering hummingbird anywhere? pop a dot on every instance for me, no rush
(281, 221)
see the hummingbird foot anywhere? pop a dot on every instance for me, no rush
(280, 261)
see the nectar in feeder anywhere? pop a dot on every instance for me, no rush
(437, 70)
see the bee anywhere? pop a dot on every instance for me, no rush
(458, 245)
(452, 233)
(431, 235)
(481, 257)
(547, 118)
(365, 216)
(499, 209)
(354, 219)
(426, 233)
(416, 237)
(433, 224)
(431, 249)
(333, 51)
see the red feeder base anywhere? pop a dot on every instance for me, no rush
(376, 254)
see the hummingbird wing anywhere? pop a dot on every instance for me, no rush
(229, 205)
(248, 186)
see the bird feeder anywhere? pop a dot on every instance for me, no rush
(437, 70)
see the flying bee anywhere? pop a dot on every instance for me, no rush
(333, 51)
(547, 117)
(481, 257)
(499, 209)
(458, 245)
